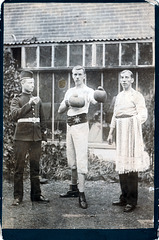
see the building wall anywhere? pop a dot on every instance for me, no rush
(77, 21)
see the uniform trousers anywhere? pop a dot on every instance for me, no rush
(129, 187)
(34, 150)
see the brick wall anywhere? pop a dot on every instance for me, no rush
(77, 21)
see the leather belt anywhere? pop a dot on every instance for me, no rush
(33, 120)
(124, 116)
(77, 119)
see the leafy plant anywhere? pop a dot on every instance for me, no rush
(148, 128)
(53, 160)
(11, 86)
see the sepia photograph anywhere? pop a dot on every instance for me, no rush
(78, 115)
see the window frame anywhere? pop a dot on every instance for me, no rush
(94, 65)
(104, 43)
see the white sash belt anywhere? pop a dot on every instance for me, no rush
(33, 120)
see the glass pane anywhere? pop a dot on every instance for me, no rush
(30, 57)
(146, 82)
(94, 114)
(145, 54)
(17, 56)
(110, 79)
(76, 55)
(61, 86)
(88, 55)
(45, 56)
(45, 87)
(45, 92)
(112, 55)
(60, 56)
(99, 55)
(128, 55)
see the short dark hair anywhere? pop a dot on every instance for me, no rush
(130, 72)
(79, 67)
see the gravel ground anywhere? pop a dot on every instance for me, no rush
(66, 214)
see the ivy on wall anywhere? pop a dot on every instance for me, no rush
(11, 86)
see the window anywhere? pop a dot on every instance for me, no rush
(111, 55)
(45, 56)
(76, 55)
(60, 56)
(45, 86)
(79, 55)
(88, 55)
(45, 93)
(60, 87)
(132, 54)
(31, 56)
(145, 54)
(16, 52)
(99, 55)
(128, 55)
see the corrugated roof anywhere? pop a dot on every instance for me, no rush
(77, 41)
(26, 23)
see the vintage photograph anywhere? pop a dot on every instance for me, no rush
(78, 115)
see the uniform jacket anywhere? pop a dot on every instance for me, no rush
(28, 131)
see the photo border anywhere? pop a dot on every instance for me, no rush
(88, 234)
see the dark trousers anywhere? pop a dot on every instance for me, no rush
(129, 187)
(34, 150)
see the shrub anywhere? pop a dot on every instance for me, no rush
(11, 86)
(148, 128)
(53, 161)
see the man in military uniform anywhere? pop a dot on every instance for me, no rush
(27, 112)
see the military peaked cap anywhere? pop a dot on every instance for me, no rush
(26, 74)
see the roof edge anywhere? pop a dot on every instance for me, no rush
(76, 41)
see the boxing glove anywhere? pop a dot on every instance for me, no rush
(100, 95)
(76, 101)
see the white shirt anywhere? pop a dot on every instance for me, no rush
(130, 103)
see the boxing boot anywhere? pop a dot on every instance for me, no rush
(82, 200)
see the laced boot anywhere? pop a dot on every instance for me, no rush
(82, 200)
(73, 192)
